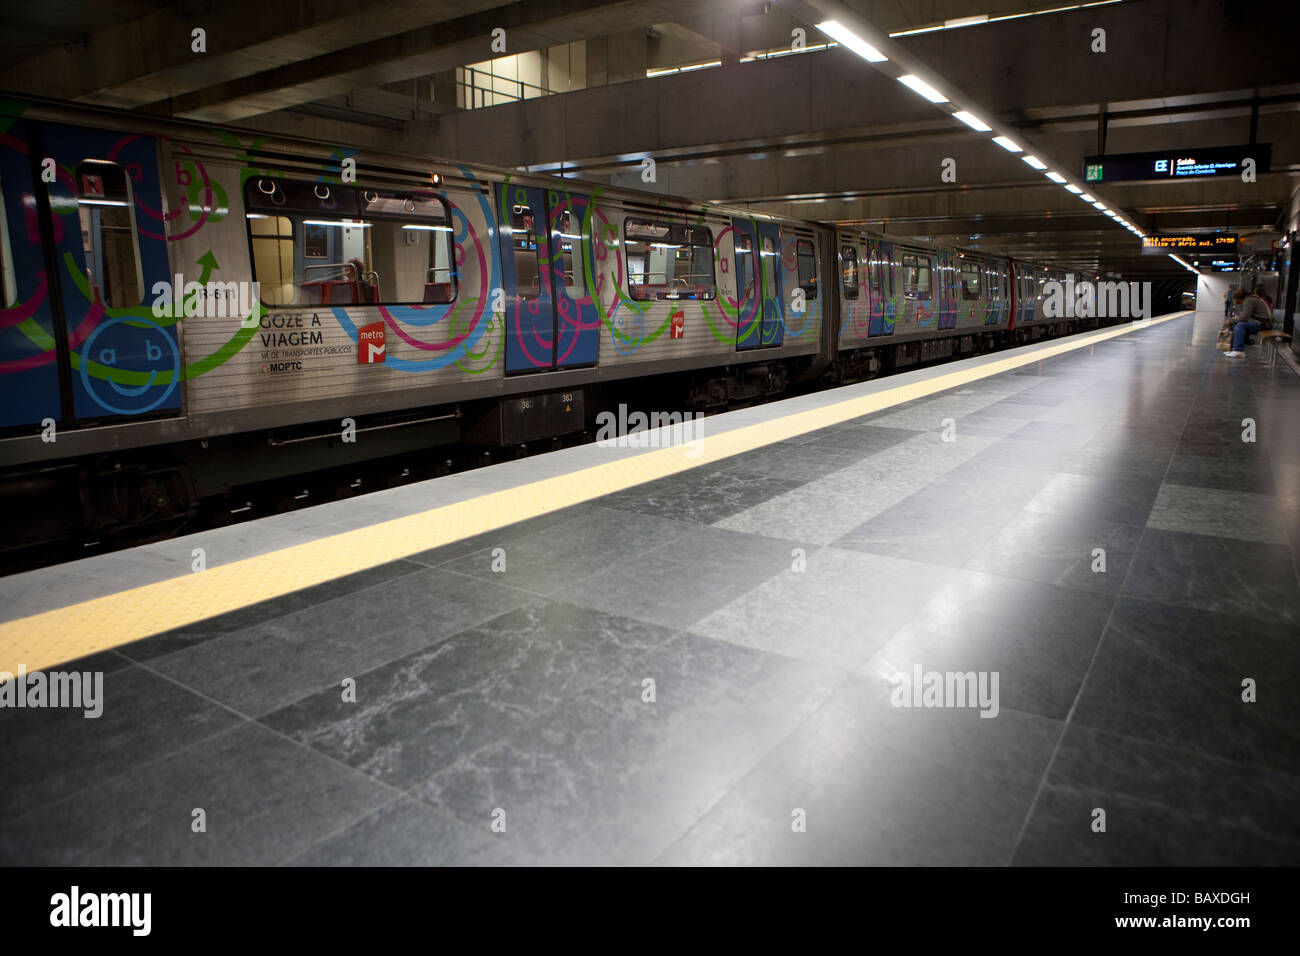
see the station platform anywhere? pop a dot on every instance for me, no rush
(722, 654)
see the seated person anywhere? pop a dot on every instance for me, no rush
(1252, 315)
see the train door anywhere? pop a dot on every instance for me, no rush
(771, 282)
(528, 279)
(577, 320)
(107, 227)
(749, 301)
(947, 294)
(881, 280)
(33, 340)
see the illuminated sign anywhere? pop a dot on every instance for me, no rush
(1213, 243)
(1183, 164)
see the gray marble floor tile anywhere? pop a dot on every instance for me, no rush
(682, 582)
(1248, 578)
(1211, 511)
(564, 554)
(881, 785)
(264, 798)
(837, 611)
(1039, 638)
(406, 832)
(263, 668)
(1164, 807)
(1115, 498)
(502, 537)
(1195, 471)
(1059, 549)
(541, 714)
(1133, 691)
(53, 752)
(700, 497)
(194, 634)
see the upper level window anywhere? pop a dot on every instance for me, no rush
(106, 208)
(849, 271)
(806, 260)
(325, 244)
(669, 260)
(918, 274)
(970, 279)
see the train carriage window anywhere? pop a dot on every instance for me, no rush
(108, 237)
(744, 267)
(572, 246)
(918, 277)
(326, 244)
(669, 260)
(849, 271)
(272, 238)
(769, 267)
(970, 280)
(806, 261)
(523, 239)
(8, 281)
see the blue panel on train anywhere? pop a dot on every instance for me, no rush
(29, 362)
(110, 249)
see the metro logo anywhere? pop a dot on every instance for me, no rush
(371, 344)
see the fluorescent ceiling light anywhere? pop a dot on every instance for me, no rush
(346, 225)
(1006, 144)
(1086, 198)
(838, 31)
(973, 121)
(1034, 161)
(1054, 176)
(1073, 188)
(1100, 205)
(430, 228)
(918, 85)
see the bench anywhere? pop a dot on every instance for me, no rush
(1269, 343)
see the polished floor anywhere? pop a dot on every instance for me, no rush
(704, 669)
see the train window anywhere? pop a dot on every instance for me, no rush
(573, 262)
(272, 238)
(769, 267)
(325, 244)
(806, 260)
(523, 239)
(108, 237)
(849, 271)
(8, 281)
(970, 280)
(669, 260)
(744, 266)
(918, 277)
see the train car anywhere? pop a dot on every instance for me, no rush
(187, 310)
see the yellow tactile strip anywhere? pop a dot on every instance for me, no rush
(50, 638)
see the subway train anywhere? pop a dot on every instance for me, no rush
(187, 310)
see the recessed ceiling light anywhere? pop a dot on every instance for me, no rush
(1006, 144)
(1054, 176)
(1073, 188)
(1034, 161)
(973, 121)
(838, 31)
(919, 86)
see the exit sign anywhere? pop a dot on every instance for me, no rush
(1203, 163)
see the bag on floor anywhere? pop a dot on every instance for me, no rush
(1225, 340)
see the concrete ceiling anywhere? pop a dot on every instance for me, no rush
(822, 135)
